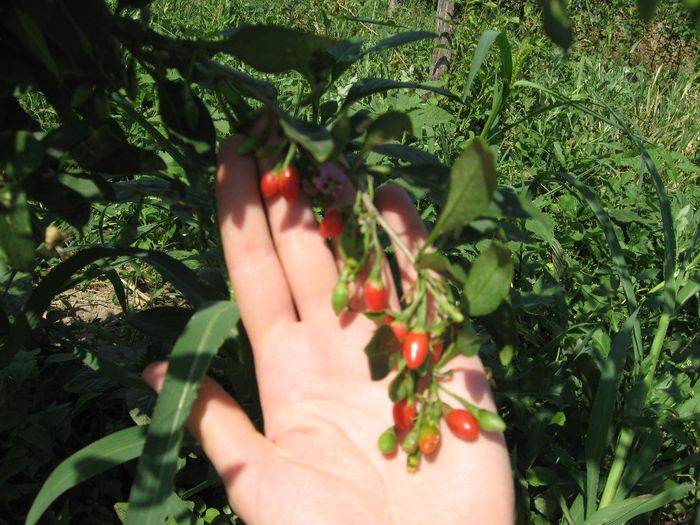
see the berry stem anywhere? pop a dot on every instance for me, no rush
(371, 208)
(466, 404)
(290, 154)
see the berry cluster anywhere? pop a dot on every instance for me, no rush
(284, 181)
(419, 341)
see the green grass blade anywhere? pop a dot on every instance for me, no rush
(602, 410)
(119, 291)
(482, 50)
(650, 166)
(399, 39)
(369, 86)
(180, 512)
(666, 215)
(189, 360)
(618, 257)
(661, 474)
(640, 463)
(623, 511)
(90, 461)
(61, 277)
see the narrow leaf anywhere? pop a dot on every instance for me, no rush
(600, 419)
(184, 279)
(162, 323)
(486, 40)
(16, 239)
(618, 257)
(400, 39)
(90, 461)
(640, 462)
(189, 360)
(370, 86)
(556, 22)
(623, 511)
(186, 117)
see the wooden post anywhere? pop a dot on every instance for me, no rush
(443, 27)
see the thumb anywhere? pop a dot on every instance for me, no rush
(235, 448)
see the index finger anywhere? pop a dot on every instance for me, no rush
(258, 279)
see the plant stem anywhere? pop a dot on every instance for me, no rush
(199, 487)
(656, 345)
(469, 406)
(626, 437)
(156, 135)
(624, 444)
(369, 206)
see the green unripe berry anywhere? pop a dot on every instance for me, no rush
(387, 442)
(410, 442)
(341, 297)
(489, 421)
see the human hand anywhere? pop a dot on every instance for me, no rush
(318, 462)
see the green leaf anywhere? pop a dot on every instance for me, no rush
(390, 125)
(602, 410)
(90, 186)
(623, 511)
(105, 149)
(369, 86)
(414, 156)
(60, 200)
(180, 512)
(189, 360)
(489, 278)
(402, 386)
(61, 277)
(316, 139)
(20, 153)
(162, 323)
(640, 462)
(351, 244)
(433, 261)
(618, 257)
(31, 37)
(400, 39)
(274, 49)
(502, 81)
(472, 184)
(486, 40)
(379, 350)
(467, 343)
(646, 9)
(246, 84)
(186, 117)
(88, 462)
(501, 326)
(16, 239)
(556, 22)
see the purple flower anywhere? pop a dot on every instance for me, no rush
(331, 180)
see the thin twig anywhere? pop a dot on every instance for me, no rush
(369, 205)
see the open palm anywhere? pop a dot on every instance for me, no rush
(318, 462)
